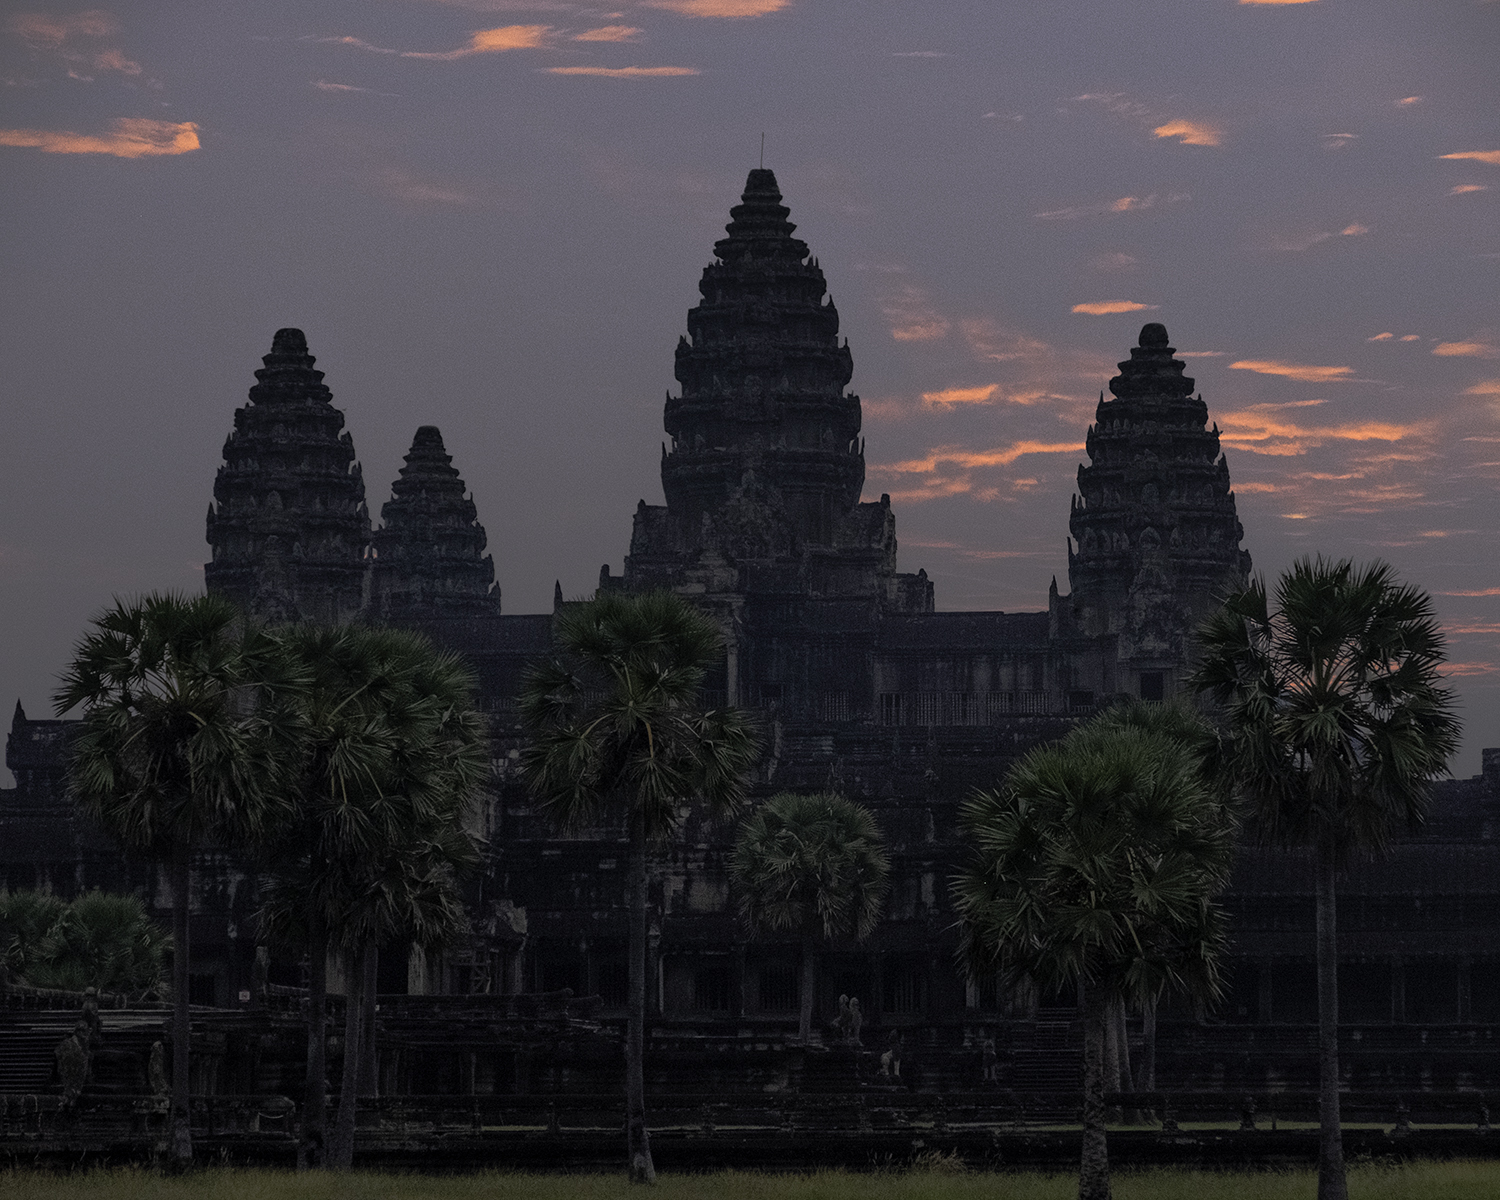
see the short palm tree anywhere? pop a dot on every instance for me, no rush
(97, 940)
(815, 866)
(1095, 866)
(391, 756)
(617, 730)
(1335, 726)
(181, 746)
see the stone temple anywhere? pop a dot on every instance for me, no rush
(863, 685)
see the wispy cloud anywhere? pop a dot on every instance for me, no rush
(959, 456)
(129, 137)
(1337, 141)
(324, 85)
(1408, 101)
(921, 54)
(721, 8)
(1191, 133)
(912, 315)
(403, 185)
(1484, 156)
(1123, 205)
(625, 72)
(1299, 371)
(1473, 349)
(1463, 189)
(609, 33)
(1381, 337)
(961, 395)
(1354, 230)
(1116, 261)
(60, 35)
(1487, 387)
(1277, 3)
(1263, 429)
(481, 41)
(1104, 308)
(1492, 591)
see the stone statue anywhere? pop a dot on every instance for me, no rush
(156, 1071)
(856, 1020)
(73, 1063)
(841, 1022)
(890, 1060)
(990, 1060)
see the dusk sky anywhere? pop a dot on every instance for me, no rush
(492, 216)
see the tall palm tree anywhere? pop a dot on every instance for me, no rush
(392, 754)
(1335, 728)
(185, 720)
(1095, 866)
(813, 865)
(617, 730)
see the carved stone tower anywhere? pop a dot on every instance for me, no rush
(1156, 534)
(429, 556)
(288, 526)
(765, 467)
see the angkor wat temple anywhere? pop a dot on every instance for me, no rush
(863, 686)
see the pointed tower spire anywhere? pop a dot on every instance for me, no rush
(288, 527)
(1156, 532)
(429, 553)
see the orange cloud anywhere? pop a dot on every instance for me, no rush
(131, 137)
(1464, 350)
(1277, 2)
(625, 72)
(1408, 101)
(1104, 308)
(1381, 337)
(720, 8)
(973, 395)
(1484, 156)
(913, 317)
(1494, 591)
(1123, 204)
(1464, 189)
(492, 41)
(959, 457)
(43, 29)
(1490, 387)
(1468, 668)
(609, 33)
(1354, 230)
(1262, 432)
(1192, 133)
(1298, 371)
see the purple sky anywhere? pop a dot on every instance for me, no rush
(491, 216)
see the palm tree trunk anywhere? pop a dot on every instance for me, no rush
(369, 1059)
(1093, 1171)
(637, 1140)
(315, 1098)
(1145, 1075)
(182, 1020)
(341, 1146)
(1331, 1182)
(809, 984)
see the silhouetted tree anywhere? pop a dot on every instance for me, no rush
(1335, 728)
(617, 730)
(813, 865)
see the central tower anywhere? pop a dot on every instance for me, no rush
(763, 473)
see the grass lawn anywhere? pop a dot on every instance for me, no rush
(1420, 1181)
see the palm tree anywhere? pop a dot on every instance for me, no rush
(815, 865)
(178, 749)
(1335, 727)
(1094, 867)
(617, 729)
(98, 940)
(392, 754)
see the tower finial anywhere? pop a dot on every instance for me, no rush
(762, 151)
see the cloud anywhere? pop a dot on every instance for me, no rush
(44, 31)
(1277, 3)
(1408, 101)
(920, 54)
(1200, 354)
(1122, 205)
(1113, 262)
(1411, 337)
(720, 8)
(1337, 141)
(1463, 189)
(1484, 156)
(625, 72)
(1260, 429)
(403, 185)
(1381, 337)
(1298, 371)
(130, 137)
(1104, 308)
(1493, 591)
(481, 41)
(1191, 133)
(1465, 350)
(913, 317)
(951, 396)
(324, 85)
(999, 457)
(609, 33)
(1467, 668)
(1487, 387)
(1354, 230)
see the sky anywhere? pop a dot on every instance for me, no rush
(491, 215)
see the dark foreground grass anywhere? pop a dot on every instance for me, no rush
(1415, 1181)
